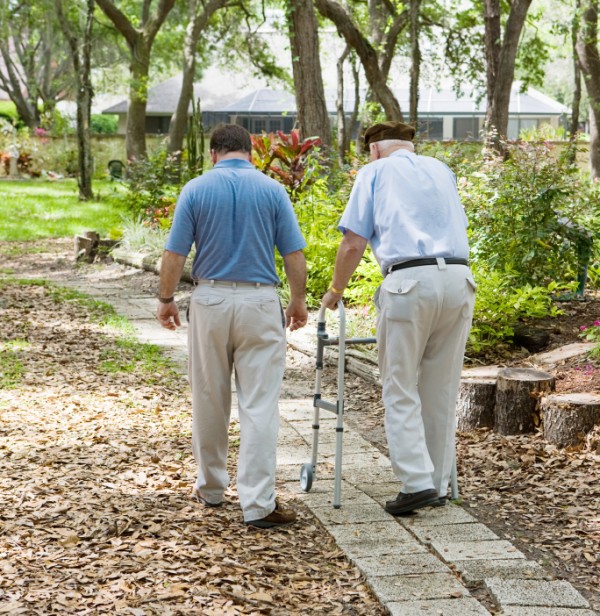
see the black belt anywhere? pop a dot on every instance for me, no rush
(432, 261)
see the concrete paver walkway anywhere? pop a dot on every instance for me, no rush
(416, 565)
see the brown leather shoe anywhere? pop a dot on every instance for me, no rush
(405, 503)
(277, 517)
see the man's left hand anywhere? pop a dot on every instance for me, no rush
(331, 299)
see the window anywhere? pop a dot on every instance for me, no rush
(431, 128)
(466, 129)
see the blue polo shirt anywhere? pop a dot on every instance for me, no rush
(408, 207)
(235, 215)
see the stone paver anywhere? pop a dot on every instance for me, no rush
(535, 593)
(416, 565)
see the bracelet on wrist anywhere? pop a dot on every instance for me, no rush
(337, 290)
(166, 300)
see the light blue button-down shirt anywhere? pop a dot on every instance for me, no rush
(236, 216)
(408, 207)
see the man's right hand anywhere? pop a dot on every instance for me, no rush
(168, 315)
(296, 314)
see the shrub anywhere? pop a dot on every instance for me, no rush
(152, 193)
(104, 124)
(524, 214)
(285, 158)
(592, 334)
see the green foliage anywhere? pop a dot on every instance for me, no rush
(524, 214)
(104, 124)
(128, 355)
(151, 185)
(11, 366)
(500, 303)
(591, 333)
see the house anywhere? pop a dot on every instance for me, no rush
(442, 114)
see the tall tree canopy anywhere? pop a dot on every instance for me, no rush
(36, 68)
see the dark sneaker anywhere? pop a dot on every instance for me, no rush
(442, 500)
(277, 517)
(405, 503)
(199, 499)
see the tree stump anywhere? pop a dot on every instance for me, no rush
(476, 403)
(86, 246)
(567, 418)
(518, 392)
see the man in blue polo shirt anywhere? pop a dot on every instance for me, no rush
(236, 217)
(408, 209)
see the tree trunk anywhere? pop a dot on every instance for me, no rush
(197, 24)
(367, 54)
(475, 405)
(27, 110)
(342, 142)
(135, 131)
(501, 64)
(518, 391)
(589, 61)
(576, 104)
(80, 44)
(84, 109)
(139, 41)
(313, 118)
(415, 67)
(567, 418)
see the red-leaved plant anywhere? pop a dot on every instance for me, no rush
(283, 156)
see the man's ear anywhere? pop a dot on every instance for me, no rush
(213, 156)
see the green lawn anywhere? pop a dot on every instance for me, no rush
(34, 209)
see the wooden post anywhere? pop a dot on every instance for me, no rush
(518, 392)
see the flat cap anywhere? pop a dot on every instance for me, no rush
(389, 130)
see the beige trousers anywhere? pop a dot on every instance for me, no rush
(236, 326)
(424, 317)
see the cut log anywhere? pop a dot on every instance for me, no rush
(567, 418)
(475, 404)
(518, 393)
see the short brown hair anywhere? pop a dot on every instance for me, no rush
(230, 138)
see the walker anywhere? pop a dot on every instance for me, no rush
(308, 471)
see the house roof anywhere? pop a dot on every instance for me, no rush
(162, 100)
(265, 101)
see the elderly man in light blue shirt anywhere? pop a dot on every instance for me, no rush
(408, 209)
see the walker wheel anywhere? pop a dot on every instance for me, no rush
(306, 477)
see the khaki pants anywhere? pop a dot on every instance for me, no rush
(424, 317)
(236, 326)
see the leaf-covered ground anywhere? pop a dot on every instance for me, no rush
(95, 472)
(95, 477)
(545, 500)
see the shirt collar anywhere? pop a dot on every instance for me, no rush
(235, 163)
(402, 152)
